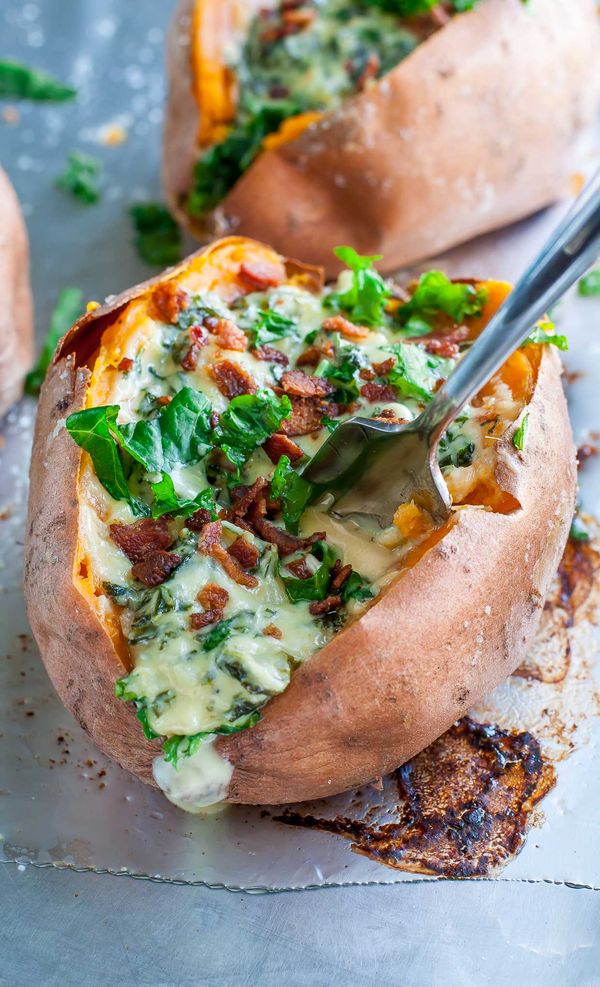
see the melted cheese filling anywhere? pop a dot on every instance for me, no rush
(185, 687)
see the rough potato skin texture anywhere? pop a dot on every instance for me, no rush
(473, 130)
(16, 312)
(446, 632)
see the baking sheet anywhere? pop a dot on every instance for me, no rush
(61, 802)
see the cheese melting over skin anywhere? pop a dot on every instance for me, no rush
(184, 686)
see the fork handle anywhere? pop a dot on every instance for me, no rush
(571, 249)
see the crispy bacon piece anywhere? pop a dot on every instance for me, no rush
(390, 416)
(339, 575)
(209, 543)
(138, 539)
(300, 568)
(367, 374)
(447, 345)
(369, 72)
(156, 567)
(244, 552)
(383, 368)
(198, 519)
(244, 498)
(126, 364)
(163, 399)
(198, 338)
(278, 445)
(199, 620)
(231, 379)
(306, 415)
(378, 392)
(329, 605)
(233, 568)
(260, 275)
(286, 543)
(213, 597)
(300, 17)
(301, 385)
(167, 302)
(270, 354)
(209, 537)
(337, 323)
(310, 357)
(229, 336)
(272, 631)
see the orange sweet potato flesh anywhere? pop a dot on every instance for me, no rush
(475, 129)
(16, 311)
(449, 628)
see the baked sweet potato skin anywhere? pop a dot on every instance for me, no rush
(446, 632)
(473, 130)
(16, 311)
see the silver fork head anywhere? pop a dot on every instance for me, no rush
(372, 467)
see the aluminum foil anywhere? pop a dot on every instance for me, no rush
(61, 802)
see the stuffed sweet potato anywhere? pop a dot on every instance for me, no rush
(177, 569)
(16, 328)
(317, 123)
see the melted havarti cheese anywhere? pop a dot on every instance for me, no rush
(186, 688)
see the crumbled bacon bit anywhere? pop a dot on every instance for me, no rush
(306, 415)
(163, 400)
(229, 336)
(244, 498)
(209, 537)
(339, 575)
(272, 631)
(232, 567)
(231, 379)
(279, 92)
(329, 605)
(369, 72)
(310, 357)
(260, 275)
(138, 539)
(286, 543)
(199, 620)
(167, 302)
(214, 419)
(384, 368)
(270, 354)
(156, 567)
(126, 364)
(278, 445)
(198, 339)
(447, 345)
(337, 323)
(367, 374)
(211, 322)
(244, 552)
(378, 392)
(213, 597)
(300, 568)
(390, 416)
(442, 347)
(199, 519)
(300, 385)
(299, 18)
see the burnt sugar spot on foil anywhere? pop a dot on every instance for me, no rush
(462, 807)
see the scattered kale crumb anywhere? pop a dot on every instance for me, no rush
(19, 81)
(157, 235)
(82, 178)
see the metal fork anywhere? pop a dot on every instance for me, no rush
(371, 467)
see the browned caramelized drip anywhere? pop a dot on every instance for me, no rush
(463, 805)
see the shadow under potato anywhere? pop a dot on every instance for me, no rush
(462, 807)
